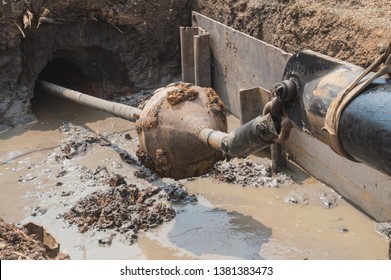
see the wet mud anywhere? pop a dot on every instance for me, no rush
(182, 93)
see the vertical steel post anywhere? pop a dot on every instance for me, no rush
(278, 154)
(187, 53)
(202, 67)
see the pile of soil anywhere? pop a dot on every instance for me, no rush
(248, 173)
(356, 31)
(16, 244)
(127, 209)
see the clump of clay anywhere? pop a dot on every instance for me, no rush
(182, 92)
(215, 104)
(248, 173)
(123, 208)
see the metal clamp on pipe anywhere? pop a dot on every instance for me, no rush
(283, 92)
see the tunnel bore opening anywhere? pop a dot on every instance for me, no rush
(65, 73)
(93, 71)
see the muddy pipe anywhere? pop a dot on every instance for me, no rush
(251, 137)
(182, 128)
(116, 109)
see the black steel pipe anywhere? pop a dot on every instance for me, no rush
(365, 123)
(365, 127)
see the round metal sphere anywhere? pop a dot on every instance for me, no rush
(168, 127)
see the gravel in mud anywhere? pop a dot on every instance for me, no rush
(16, 244)
(248, 173)
(175, 192)
(326, 200)
(115, 205)
(127, 209)
(385, 230)
(79, 141)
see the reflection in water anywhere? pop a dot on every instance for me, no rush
(204, 230)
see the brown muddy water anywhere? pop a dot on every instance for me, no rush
(304, 220)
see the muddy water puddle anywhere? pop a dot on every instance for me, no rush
(304, 220)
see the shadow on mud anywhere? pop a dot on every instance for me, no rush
(210, 232)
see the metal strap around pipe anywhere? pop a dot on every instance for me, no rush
(116, 109)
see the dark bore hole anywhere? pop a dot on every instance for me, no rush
(66, 73)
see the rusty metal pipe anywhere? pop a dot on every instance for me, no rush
(119, 110)
(249, 138)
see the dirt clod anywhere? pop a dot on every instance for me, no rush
(327, 200)
(248, 173)
(295, 197)
(79, 141)
(182, 92)
(215, 104)
(177, 193)
(123, 208)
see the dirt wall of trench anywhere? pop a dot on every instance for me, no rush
(119, 45)
(122, 45)
(357, 31)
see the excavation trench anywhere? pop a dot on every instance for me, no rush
(67, 172)
(216, 217)
(53, 168)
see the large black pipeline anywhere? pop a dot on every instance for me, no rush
(365, 123)
(365, 127)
